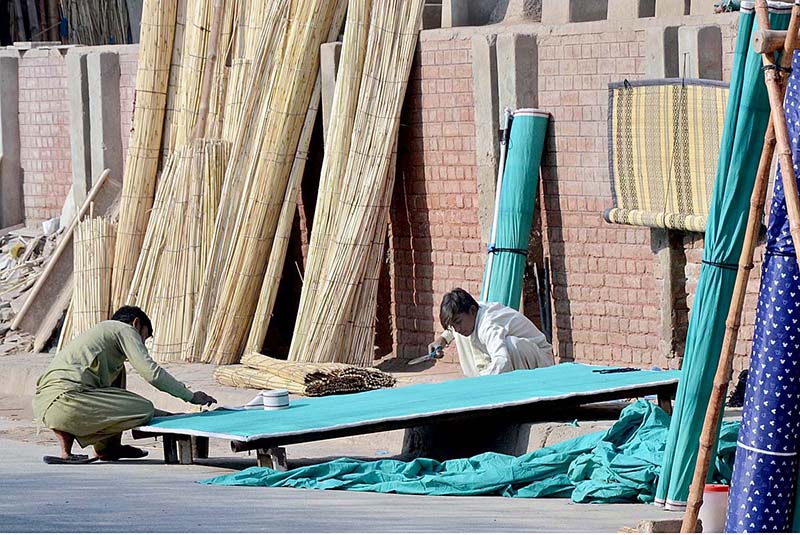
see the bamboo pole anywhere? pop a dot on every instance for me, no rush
(141, 166)
(775, 80)
(708, 437)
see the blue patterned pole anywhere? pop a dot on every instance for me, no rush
(765, 470)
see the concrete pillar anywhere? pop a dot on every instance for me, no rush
(631, 9)
(661, 52)
(330, 54)
(135, 18)
(12, 210)
(485, 95)
(564, 11)
(517, 71)
(79, 138)
(700, 52)
(104, 117)
(455, 13)
(672, 8)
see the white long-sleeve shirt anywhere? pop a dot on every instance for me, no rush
(503, 340)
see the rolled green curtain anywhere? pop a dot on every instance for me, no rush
(505, 266)
(746, 121)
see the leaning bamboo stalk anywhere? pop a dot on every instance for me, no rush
(141, 166)
(708, 437)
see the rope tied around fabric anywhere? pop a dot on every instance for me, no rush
(492, 249)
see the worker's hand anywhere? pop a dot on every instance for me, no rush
(201, 398)
(437, 347)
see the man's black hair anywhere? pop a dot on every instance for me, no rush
(129, 313)
(457, 301)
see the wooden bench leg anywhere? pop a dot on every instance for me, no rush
(200, 447)
(665, 402)
(170, 449)
(185, 450)
(274, 458)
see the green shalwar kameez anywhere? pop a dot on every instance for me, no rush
(83, 390)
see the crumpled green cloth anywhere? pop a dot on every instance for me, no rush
(615, 466)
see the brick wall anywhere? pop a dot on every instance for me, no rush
(44, 134)
(434, 232)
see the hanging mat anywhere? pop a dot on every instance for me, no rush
(663, 146)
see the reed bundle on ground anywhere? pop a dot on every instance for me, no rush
(249, 240)
(306, 379)
(93, 261)
(338, 312)
(141, 165)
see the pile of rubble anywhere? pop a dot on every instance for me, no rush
(23, 255)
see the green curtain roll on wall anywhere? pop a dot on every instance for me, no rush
(514, 205)
(743, 138)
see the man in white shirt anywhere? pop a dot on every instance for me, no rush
(491, 338)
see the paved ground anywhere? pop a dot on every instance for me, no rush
(150, 497)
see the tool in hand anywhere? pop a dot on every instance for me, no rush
(425, 358)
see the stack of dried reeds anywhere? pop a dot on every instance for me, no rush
(93, 261)
(141, 165)
(248, 242)
(97, 22)
(337, 312)
(305, 379)
(169, 274)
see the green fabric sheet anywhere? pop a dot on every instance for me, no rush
(396, 404)
(615, 466)
(743, 138)
(514, 211)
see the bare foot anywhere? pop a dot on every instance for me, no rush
(65, 442)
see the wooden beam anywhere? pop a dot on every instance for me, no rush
(769, 41)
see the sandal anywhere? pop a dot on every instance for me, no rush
(72, 459)
(123, 452)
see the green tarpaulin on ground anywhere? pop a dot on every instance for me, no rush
(746, 121)
(614, 466)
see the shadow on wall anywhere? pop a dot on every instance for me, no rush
(552, 219)
(411, 244)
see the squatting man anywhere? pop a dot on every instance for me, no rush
(82, 396)
(491, 338)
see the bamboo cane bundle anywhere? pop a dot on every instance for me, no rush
(244, 154)
(97, 22)
(141, 166)
(299, 372)
(340, 322)
(272, 277)
(173, 88)
(174, 254)
(193, 68)
(94, 255)
(235, 286)
(337, 151)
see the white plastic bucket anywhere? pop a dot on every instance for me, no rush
(714, 508)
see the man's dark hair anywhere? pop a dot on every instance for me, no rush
(457, 301)
(129, 313)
